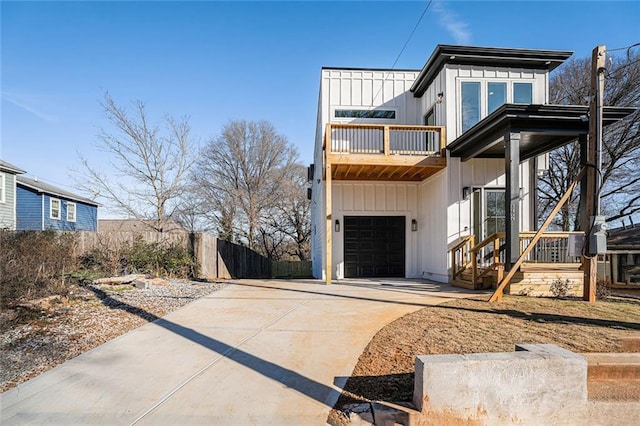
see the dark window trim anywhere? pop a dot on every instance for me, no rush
(376, 114)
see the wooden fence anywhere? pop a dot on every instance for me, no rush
(217, 259)
(235, 261)
(287, 269)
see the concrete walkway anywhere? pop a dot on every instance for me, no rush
(255, 352)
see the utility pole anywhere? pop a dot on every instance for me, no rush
(593, 223)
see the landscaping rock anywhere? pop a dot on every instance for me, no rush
(89, 318)
(127, 279)
(160, 281)
(141, 283)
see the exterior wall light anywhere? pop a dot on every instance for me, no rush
(414, 225)
(337, 227)
(440, 97)
(466, 191)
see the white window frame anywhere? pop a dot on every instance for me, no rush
(75, 211)
(51, 216)
(484, 94)
(3, 188)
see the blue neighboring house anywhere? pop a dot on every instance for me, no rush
(41, 206)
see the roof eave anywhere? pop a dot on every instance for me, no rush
(470, 55)
(503, 117)
(57, 194)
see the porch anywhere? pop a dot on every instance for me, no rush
(517, 133)
(554, 257)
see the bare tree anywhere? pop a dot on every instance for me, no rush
(294, 216)
(286, 233)
(147, 164)
(241, 175)
(620, 191)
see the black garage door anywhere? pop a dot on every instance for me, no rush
(374, 246)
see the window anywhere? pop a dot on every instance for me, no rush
(494, 213)
(522, 93)
(470, 104)
(2, 188)
(497, 95)
(54, 208)
(430, 120)
(482, 97)
(387, 114)
(71, 212)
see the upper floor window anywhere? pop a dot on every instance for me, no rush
(54, 209)
(470, 104)
(522, 93)
(480, 98)
(387, 114)
(71, 211)
(430, 120)
(497, 95)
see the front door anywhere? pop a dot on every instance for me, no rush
(487, 212)
(374, 246)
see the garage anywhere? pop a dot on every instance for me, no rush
(374, 246)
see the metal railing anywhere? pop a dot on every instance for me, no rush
(386, 139)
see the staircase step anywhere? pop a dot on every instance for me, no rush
(614, 390)
(613, 366)
(630, 344)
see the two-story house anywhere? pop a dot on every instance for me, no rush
(410, 163)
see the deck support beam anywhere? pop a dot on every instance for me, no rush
(512, 198)
(328, 209)
(329, 229)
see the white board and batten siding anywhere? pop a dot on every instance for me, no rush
(351, 198)
(369, 89)
(354, 89)
(483, 173)
(432, 228)
(443, 215)
(456, 74)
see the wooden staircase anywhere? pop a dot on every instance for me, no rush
(479, 266)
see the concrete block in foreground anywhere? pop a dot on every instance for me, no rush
(537, 384)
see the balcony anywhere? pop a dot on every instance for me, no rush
(382, 152)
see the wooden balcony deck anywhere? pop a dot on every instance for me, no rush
(383, 152)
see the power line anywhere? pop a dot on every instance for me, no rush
(620, 68)
(424, 12)
(622, 48)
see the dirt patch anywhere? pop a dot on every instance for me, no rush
(385, 370)
(37, 335)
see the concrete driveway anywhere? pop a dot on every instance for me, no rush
(255, 352)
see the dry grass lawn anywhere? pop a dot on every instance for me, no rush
(385, 369)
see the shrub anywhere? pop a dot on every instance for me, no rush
(140, 257)
(560, 288)
(35, 264)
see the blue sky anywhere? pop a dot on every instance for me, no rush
(220, 61)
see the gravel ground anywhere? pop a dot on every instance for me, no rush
(40, 334)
